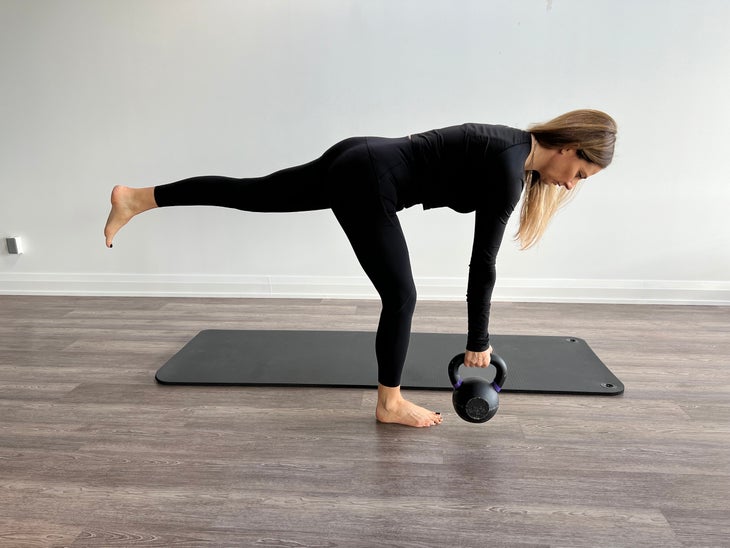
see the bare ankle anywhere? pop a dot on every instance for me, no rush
(135, 200)
(389, 396)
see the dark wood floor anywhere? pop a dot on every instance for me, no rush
(94, 453)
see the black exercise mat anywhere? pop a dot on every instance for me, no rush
(564, 365)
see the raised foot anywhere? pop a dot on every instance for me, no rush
(120, 213)
(126, 203)
(406, 413)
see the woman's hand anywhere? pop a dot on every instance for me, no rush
(478, 359)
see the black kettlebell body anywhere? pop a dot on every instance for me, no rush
(475, 399)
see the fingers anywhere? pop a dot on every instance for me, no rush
(478, 359)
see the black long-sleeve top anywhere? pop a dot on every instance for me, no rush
(473, 167)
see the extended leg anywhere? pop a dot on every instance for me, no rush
(300, 188)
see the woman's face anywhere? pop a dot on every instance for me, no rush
(565, 168)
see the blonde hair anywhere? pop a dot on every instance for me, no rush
(593, 134)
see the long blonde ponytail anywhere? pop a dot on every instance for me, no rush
(593, 134)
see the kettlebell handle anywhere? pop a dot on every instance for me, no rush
(495, 360)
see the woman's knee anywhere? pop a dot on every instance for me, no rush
(401, 300)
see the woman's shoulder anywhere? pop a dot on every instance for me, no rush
(497, 136)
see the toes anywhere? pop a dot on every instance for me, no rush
(433, 420)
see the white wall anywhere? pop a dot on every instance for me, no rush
(142, 92)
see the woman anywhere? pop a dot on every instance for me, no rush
(367, 180)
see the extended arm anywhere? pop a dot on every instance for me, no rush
(489, 227)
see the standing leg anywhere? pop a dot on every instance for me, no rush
(380, 246)
(381, 249)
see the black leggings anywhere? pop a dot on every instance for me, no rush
(357, 179)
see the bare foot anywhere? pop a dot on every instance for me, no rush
(126, 203)
(393, 408)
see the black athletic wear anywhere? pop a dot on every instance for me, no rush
(365, 181)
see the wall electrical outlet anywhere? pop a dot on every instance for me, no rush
(15, 246)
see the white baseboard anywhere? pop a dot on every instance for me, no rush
(332, 287)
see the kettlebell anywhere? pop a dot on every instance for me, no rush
(475, 399)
